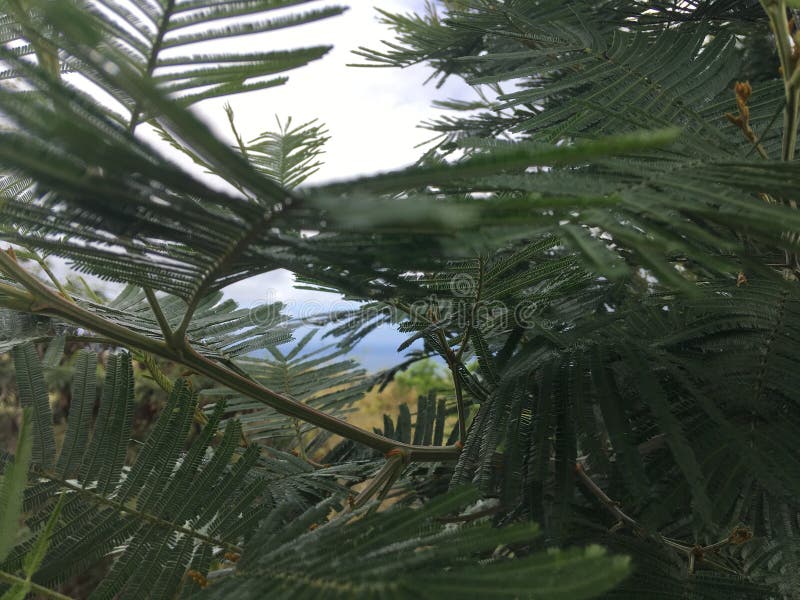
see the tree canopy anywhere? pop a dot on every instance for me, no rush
(601, 248)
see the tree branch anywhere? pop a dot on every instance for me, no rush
(234, 250)
(383, 481)
(166, 330)
(34, 587)
(694, 552)
(790, 70)
(44, 300)
(452, 363)
(612, 506)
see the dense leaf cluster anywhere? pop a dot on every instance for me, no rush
(601, 247)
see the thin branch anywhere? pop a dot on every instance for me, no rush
(474, 516)
(383, 481)
(236, 136)
(242, 148)
(720, 567)
(612, 506)
(90, 339)
(790, 70)
(152, 60)
(43, 300)
(695, 553)
(468, 330)
(454, 360)
(46, 268)
(166, 330)
(252, 231)
(452, 363)
(34, 587)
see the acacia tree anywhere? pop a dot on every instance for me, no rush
(608, 232)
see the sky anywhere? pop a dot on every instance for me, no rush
(372, 115)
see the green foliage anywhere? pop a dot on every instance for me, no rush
(151, 39)
(607, 235)
(164, 494)
(13, 483)
(12, 492)
(34, 558)
(423, 376)
(583, 78)
(321, 378)
(174, 510)
(289, 155)
(655, 393)
(401, 553)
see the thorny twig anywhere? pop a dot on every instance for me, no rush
(695, 553)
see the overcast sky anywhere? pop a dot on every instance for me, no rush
(371, 113)
(372, 116)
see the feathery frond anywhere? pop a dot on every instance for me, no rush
(320, 378)
(184, 506)
(158, 42)
(411, 555)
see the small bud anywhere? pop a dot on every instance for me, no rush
(740, 535)
(197, 577)
(743, 89)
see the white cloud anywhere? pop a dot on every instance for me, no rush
(372, 113)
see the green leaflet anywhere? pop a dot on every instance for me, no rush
(34, 558)
(33, 394)
(166, 492)
(15, 476)
(149, 40)
(11, 494)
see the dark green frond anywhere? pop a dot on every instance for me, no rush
(156, 41)
(33, 394)
(168, 501)
(403, 553)
(579, 78)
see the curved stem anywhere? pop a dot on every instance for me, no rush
(136, 112)
(790, 67)
(452, 363)
(43, 300)
(166, 330)
(382, 482)
(46, 268)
